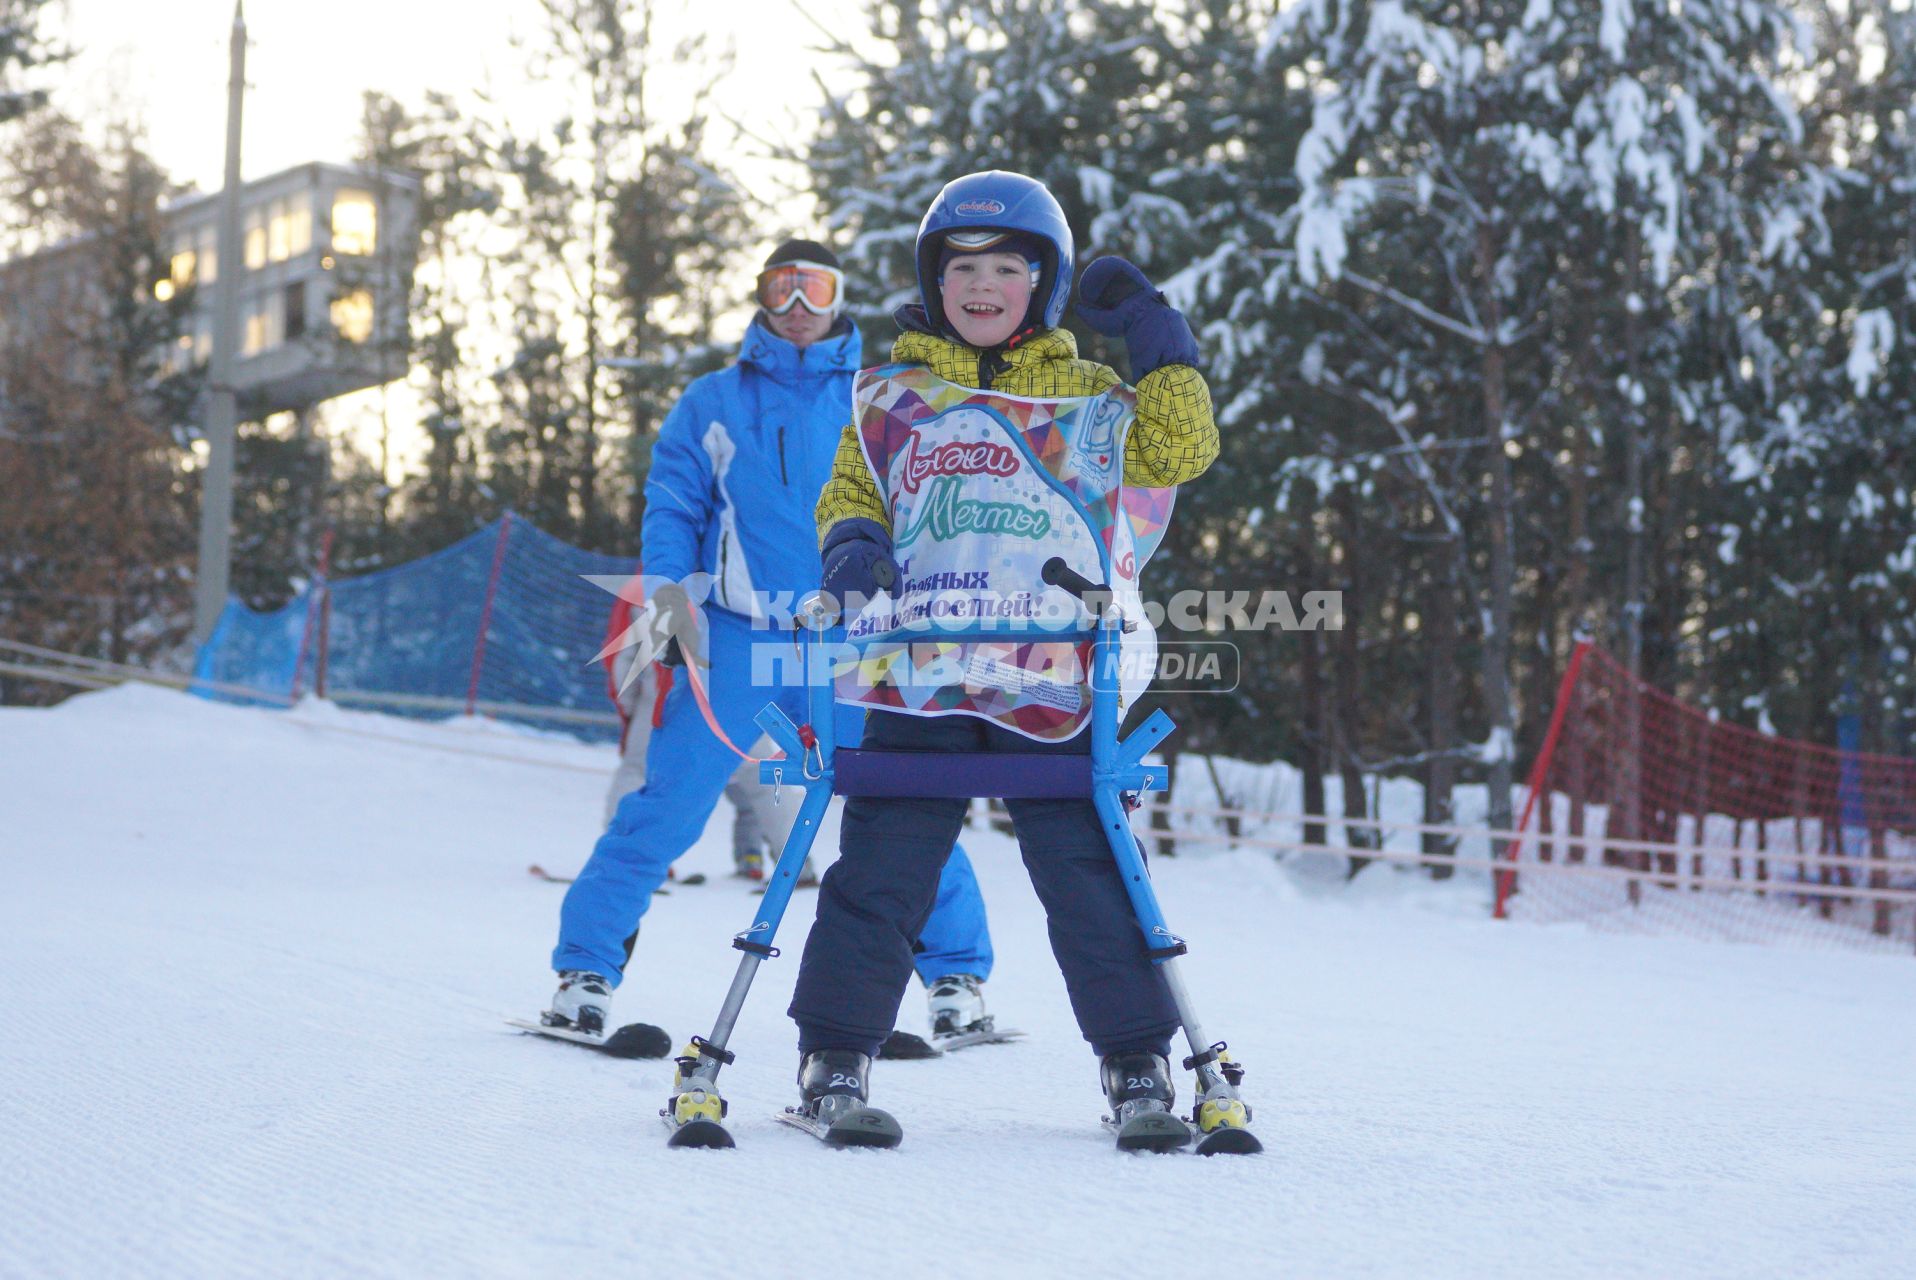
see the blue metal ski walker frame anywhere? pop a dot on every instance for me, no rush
(814, 763)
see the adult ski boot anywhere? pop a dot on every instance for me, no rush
(832, 1086)
(958, 1017)
(1140, 1090)
(580, 1003)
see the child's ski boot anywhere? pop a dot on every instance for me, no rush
(832, 1086)
(1139, 1088)
(580, 1003)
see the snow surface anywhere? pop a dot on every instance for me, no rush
(255, 965)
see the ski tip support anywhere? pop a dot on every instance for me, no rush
(1223, 1125)
(701, 1135)
(1229, 1142)
(1221, 1118)
(695, 1112)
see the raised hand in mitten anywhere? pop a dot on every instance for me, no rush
(1118, 300)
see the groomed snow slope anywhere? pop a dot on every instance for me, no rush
(254, 967)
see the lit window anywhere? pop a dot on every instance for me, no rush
(299, 225)
(255, 242)
(289, 229)
(255, 340)
(355, 222)
(353, 315)
(263, 325)
(184, 265)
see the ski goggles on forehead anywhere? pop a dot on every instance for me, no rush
(818, 289)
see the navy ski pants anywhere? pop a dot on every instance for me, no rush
(875, 898)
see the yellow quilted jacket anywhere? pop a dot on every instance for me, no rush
(1173, 439)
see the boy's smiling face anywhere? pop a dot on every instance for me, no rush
(986, 296)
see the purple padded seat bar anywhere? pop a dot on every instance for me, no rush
(937, 775)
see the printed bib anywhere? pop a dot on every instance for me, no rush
(983, 489)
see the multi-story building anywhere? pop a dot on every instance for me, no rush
(326, 260)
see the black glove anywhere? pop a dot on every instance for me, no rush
(1117, 300)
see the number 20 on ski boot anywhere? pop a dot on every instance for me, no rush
(1139, 1088)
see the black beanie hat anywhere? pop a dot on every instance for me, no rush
(802, 251)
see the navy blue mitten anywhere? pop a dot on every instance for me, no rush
(1117, 300)
(858, 563)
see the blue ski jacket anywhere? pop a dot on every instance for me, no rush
(738, 467)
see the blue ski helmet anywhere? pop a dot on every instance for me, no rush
(999, 201)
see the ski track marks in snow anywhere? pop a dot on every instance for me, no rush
(254, 975)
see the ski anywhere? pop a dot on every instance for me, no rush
(1150, 1131)
(1163, 1131)
(1228, 1142)
(863, 1127)
(697, 877)
(634, 1040)
(697, 1135)
(700, 1135)
(758, 891)
(903, 1046)
(967, 1039)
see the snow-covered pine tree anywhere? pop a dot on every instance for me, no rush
(1818, 535)
(1486, 137)
(1037, 86)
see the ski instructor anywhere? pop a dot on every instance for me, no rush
(735, 476)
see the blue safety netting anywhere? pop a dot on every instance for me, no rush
(416, 630)
(249, 650)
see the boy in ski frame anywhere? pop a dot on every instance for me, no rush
(994, 264)
(730, 496)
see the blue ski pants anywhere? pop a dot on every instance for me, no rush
(892, 853)
(687, 770)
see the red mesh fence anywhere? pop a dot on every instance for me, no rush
(1645, 815)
